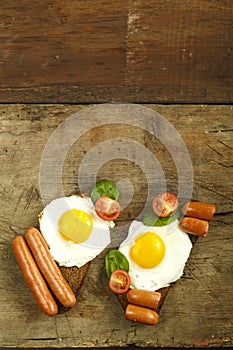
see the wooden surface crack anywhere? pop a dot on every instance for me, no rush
(205, 186)
(218, 131)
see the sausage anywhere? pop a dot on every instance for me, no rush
(141, 314)
(144, 298)
(199, 210)
(194, 226)
(33, 277)
(49, 268)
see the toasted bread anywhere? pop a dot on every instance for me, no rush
(75, 277)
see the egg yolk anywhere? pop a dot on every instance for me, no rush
(75, 225)
(148, 250)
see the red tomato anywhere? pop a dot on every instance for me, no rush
(119, 282)
(107, 208)
(165, 204)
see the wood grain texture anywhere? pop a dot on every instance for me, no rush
(198, 309)
(134, 51)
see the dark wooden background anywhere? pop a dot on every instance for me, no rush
(101, 51)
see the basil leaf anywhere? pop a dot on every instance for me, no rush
(115, 260)
(104, 188)
(151, 219)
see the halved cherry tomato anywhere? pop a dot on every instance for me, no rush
(165, 204)
(119, 282)
(107, 208)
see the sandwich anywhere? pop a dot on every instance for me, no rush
(55, 256)
(153, 256)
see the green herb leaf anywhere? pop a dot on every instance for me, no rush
(115, 260)
(151, 219)
(104, 188)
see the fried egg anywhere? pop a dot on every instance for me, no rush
(73, 231)
(156, 255)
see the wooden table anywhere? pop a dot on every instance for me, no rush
(60, 59)
(198, 310)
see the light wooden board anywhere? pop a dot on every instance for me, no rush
(198, 309)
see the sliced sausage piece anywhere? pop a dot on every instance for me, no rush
(141, 314)
(199, 210)
(144, 298)
(33, 277)
(194, 226)
(49, 268)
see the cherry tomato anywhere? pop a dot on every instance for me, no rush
(119, 282)
(107, 208)
(165, 204)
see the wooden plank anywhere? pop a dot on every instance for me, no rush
(198, 309)
(150, 51)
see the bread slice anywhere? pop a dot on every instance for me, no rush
(75, 277)
(122, 298)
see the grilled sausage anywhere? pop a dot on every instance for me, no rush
(199, 210)
(141, 314)
(144, 298)
(33, 277)
(49, 268)
(194, 226)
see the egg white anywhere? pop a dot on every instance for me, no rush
(170, 269)
(68, 253)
